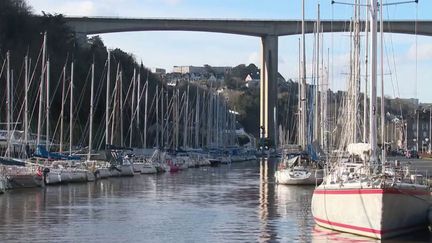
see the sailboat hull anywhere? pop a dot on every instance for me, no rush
(3, 183)
(137, 167)
(148, 169)
(103, 173)
(373, 212)
(126, 170)
(53, 177)
(288, 177)
(25, 181)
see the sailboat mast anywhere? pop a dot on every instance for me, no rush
(145, 109)
(26, 81)
(157, 116)
(356, 79)
(186, 113)
(115, 104)
(47, 105)
(177, 119)
(383, 133)
(8, 104)
(11, 88)
(209, 119)
(317, 87)
(139, 96)
(121, 107)
(41, 85)
(107, 97)
(62, 108)
(71, 109)
(217, 120)
(323, 93)
(162, 118)
(197, 124)
(299, 104)
(324, 103)
(132, 108)
(373, 67)
(91, 113)
(365, 105)
(167, 141)
(202, 125)
(303, 81)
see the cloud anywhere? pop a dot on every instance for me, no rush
(78, 8)
(164, 2)
(81, 7)
(424, 52)
(84, 7)
(172, 2)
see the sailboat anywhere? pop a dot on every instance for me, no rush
(362, 195)
(14, 172)
(298, 169)
(297, 166)
(119, 157)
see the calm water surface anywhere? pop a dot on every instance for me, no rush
(236, 203)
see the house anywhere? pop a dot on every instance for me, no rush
(212, 79)
(252, 80)
(158, 71)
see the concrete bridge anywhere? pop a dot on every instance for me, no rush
(267, 30)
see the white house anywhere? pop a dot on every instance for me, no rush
(252, 80)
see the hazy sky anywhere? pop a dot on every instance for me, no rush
(166, 49)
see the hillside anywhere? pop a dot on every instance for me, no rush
(21, 33)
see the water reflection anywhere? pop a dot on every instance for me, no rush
(323, 235)
(237, 203)
(268, 230)
(284, 210)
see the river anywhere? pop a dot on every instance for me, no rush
(230, 203)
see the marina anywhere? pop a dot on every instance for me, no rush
(97, 146)
(230, 203)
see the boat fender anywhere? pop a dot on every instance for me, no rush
(39, 172)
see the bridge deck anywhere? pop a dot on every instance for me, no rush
(87, 26)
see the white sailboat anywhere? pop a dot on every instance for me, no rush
(15, 173)
(364, 196)
(296, 169)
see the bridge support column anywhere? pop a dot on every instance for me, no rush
(81, 39)
(268, 88)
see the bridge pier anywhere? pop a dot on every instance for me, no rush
(268, 88)
(81, 38)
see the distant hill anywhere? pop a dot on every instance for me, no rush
(246, 102)
(21, 33)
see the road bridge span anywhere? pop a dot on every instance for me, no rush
(267, 30)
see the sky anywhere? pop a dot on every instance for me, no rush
(407, 58)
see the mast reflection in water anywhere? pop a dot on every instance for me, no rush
(237, 203)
